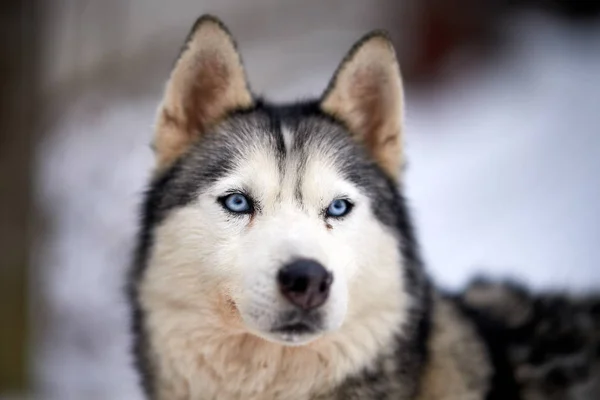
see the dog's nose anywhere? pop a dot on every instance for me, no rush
(305, 283)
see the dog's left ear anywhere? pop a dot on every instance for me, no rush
(366, 94)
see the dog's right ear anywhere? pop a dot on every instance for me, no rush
(208, 81)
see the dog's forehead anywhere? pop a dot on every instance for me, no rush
(270, 140)
(283, 156)
(288, 135)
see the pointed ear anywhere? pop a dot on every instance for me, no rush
(366, 95)
(207, 81)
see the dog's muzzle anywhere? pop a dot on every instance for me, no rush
(305, 284)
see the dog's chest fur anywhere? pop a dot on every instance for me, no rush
(208, 366)
(200, 362)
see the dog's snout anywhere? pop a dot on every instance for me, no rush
(305, 283)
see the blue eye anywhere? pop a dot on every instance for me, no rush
(339, 208)
(237, 203)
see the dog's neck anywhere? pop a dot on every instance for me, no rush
(209, 354)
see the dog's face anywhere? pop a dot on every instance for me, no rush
(277, 221)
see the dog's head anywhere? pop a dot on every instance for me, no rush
(279, 221)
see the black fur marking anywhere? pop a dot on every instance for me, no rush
(275, 129)
(412, 351)
(543, 344)
(150, 215)
(503, 385)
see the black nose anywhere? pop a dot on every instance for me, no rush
(305, 283)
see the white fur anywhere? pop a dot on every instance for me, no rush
(211, 296)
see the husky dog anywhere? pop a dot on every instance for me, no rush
(277, 260)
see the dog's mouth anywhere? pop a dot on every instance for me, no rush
(298, 327)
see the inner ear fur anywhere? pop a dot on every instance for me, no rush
(366, 94)
(207, 81)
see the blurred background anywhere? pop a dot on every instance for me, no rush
(502, 138)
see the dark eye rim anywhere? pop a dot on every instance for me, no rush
(223, 199)
(349, 207)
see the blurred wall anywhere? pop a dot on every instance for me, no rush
(84, 36)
